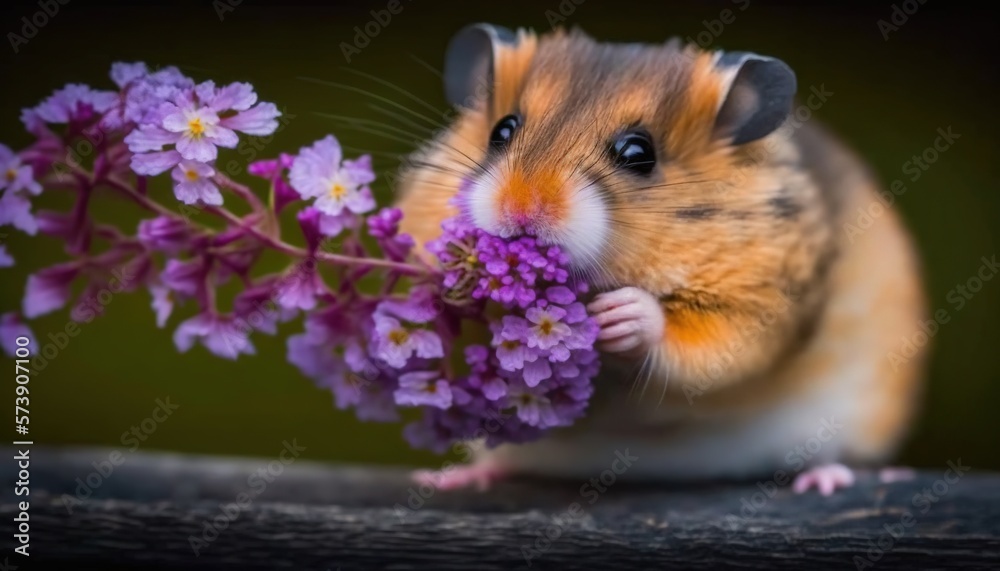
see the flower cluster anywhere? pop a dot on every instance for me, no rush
(381, 327)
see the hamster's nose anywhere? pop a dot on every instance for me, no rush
(528, 203)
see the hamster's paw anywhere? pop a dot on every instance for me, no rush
(827, 479)
(631, 321)
(480, 475)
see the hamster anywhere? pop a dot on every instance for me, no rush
(736, 292)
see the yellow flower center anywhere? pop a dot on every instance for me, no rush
(510, 344)
(431, 388)
(191, 175)
(11, 175)
(196, 128)
(546, 326)
(525, 399)
(399, 336)
(338, 190)
(472, 259)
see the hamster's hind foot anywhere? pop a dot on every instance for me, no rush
(480, 475)
(893, 474)
(827, 479)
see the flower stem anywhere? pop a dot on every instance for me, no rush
(289, 249)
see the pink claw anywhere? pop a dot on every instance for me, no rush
(479, 475)
(893, 474)
(827, 479)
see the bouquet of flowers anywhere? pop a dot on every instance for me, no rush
(385, 324)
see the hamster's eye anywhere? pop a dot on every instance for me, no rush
(503, 131)
(634, 151)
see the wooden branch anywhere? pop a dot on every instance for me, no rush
(161, 511)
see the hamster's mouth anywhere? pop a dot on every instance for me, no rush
(579, 223)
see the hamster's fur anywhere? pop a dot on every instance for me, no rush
(779, 319)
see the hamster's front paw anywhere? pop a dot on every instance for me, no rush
(631, 321)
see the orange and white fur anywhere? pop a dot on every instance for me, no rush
(737, 311)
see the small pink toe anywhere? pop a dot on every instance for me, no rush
(478, 475)
(827, 479)
(893, 474)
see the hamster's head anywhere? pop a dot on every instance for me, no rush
(635, 158)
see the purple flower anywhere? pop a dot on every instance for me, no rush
(536, 371)
(49, 289)
(256, 306)
(395, 343)
(332, 226)
(274, 171)
(547, 330)
(58, 224)
(319, 172)
(74, 102)
(6, 260)
(162, 305)
(11, 328)
(313, 359)
(532, 407)
(420, 307)
(123, 73)
(197, 132)
(185, 277)
(191, 122)
(508, 340)
(298, 288)
(217, 333)
(15, 210)
(165, 234)
(152, 164)
(194, 182)
(423, 388)
(384, 227)
(143, 94)
(15, 176)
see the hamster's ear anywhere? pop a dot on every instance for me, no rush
(485, 63)
(758, 96)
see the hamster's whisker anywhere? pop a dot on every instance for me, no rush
(459, 151)
(411, 162)
(376, 132)
(404, 119)
(392, 86)
(359, 150)
(661, 364)
(373, 95)
(428, 66)
(343, 119)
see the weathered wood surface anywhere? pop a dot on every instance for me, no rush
(149, 511)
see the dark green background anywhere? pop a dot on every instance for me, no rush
(890, 97)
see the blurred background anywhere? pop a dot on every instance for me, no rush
(893, 87)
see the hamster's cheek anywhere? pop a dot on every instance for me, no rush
(584, 228)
